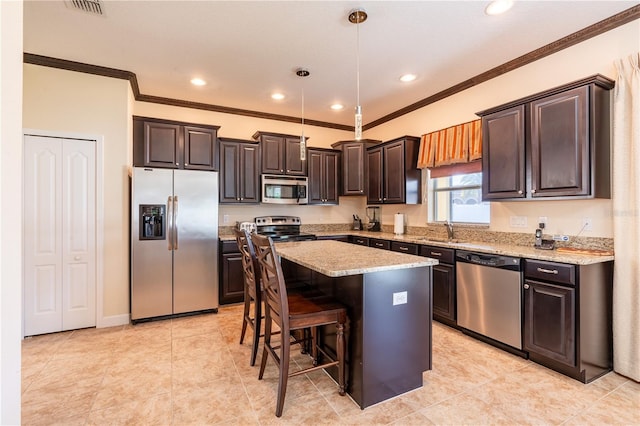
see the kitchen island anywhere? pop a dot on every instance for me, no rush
(388, 297)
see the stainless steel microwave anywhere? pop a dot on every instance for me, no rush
(284, 189)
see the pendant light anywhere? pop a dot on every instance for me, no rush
(301, 72)
(358, 16)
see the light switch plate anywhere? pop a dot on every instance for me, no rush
(399, 298)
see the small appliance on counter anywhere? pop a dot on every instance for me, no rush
(373, 214)
(250, 227)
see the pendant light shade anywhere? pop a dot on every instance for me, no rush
(301, 72)
(358, 16)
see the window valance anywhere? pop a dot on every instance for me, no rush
(453, 145)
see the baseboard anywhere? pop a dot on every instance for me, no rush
(113, 321)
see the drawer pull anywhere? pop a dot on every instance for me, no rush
(433, 253)
(526, 286)
(404, 248)
(379, 244)
(548, 271)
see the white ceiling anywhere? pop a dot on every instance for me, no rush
(246, 50)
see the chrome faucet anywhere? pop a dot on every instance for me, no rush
(449, 227)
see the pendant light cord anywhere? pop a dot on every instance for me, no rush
(358, 61)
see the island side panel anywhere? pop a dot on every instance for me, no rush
(396, 338)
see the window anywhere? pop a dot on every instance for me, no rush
(458, 198)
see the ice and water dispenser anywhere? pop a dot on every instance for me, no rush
(152, 221)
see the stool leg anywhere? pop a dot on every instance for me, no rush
(266, 343)
(341, 356)
(257, 323)
(314, 345)
(285, 353)
(245, 314)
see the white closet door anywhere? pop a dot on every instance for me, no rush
(59, 234)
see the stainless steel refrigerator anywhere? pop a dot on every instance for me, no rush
(174, 242)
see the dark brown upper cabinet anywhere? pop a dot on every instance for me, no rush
(239, 171)
(281, 154)
(393, 176)
(324, 176)
(354, 171)
(174, 145)
(554, 144)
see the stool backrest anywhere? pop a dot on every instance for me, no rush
(273, 284)
(250, 266)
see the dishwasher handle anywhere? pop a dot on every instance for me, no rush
(489, 260)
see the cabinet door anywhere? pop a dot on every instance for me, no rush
(560, 144)
(332, 179)
(549, 321)
(444, 293)
(250, 173)
(230, 170)
(272, 154)
(353, 170)
(200, 148)
(162, 145)
(232, 279)
(317, 186)
(293, 164)
(393, 172)
(503, 154)
(374, 173)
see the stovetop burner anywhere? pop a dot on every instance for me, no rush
(281, 228)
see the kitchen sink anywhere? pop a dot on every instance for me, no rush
(438, 240)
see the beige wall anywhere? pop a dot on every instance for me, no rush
(593, 56)
(72, 102)
(64, 101)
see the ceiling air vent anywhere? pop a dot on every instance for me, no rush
(89, 6)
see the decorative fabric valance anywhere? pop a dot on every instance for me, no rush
(453, 145)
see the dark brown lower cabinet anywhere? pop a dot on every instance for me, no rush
(568, 317)
(444, 284)
(231, 276)
(550, 321)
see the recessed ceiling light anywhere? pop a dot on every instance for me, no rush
(277, 96)
(337, 107)
(198, 82)
(407, 78)
(497, 7)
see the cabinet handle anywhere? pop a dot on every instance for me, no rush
(533, 191)
(548, 271)
(435, 254)
(404, 248)
(520, 192)
(526, 286)
(177, 164)
(361, 190)
(379, 244)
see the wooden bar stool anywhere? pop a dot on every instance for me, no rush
(295, 312)
(252, 291)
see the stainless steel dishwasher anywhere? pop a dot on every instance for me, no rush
(489, 296)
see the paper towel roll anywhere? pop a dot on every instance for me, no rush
(398, 224)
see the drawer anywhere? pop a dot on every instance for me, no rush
(229, 246)
(381, 244)
(363, 241)
(407, 248)
(561, 273)
(444, 255)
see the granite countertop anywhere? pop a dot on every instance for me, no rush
(338, 259)
(484, 247)
(528, 252)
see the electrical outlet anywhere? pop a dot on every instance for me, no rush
(225, 219)
(543, 219)
(399, 298)
(518, 221)
(587, 225)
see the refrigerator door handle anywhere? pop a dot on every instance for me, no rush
(170, 224)
(175, 222)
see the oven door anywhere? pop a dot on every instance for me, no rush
(284, 190)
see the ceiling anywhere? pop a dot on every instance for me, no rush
(247, 50)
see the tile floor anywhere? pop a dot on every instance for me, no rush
(192, 370)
